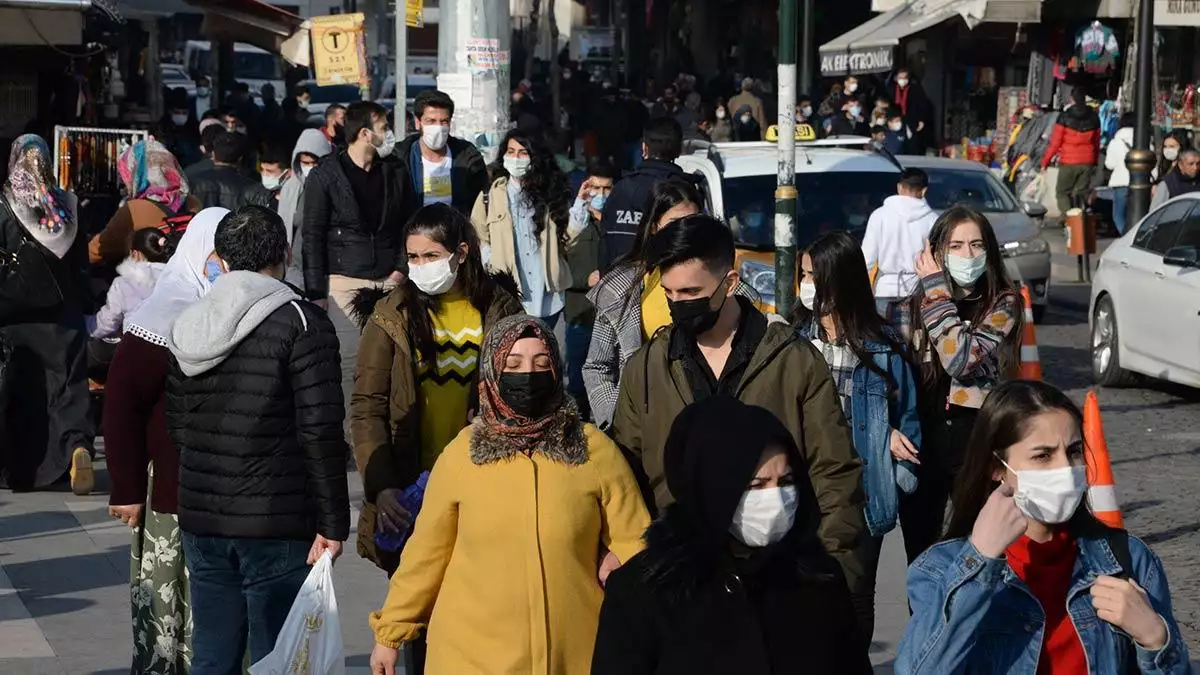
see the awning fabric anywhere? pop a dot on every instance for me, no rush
(870, 48)
(250, 21)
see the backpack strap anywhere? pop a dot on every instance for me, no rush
(1118, 541)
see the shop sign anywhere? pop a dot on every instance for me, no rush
(1177, 13)
(338, 49)
(857, 61)
(414, 13)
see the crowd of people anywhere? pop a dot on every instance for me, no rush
(697, 485)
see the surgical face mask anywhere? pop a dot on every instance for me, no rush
(746, 119)
(305, 169)
(271, 182)
(851, 87)
(1171, 154)
(598, 201)
(764, 517)
(966, 271)
(517, 167)
(387, 145)
(855, 110)
(808, 295)
(895, 126)
(202, 92)
(720, 113)
(433, 278)
(806, 111)
(902, 82)
(696, 317)
(1049, 496)
(213, 269)
(435, 136)
(179, 120)
(530, 395)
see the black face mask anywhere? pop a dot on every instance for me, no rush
(696, 317)
(529, 394)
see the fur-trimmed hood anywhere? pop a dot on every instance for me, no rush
(565, 442)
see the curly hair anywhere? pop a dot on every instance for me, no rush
(545, 186)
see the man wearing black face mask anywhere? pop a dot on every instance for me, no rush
(720, 344)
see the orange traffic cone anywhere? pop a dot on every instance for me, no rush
(1031, 363)
(1102, 490)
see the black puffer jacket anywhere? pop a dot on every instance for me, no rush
(336, 240)
(229, 188)
(262, 453)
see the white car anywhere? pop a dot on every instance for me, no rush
(323, 97)
(175, 76)
(1145, 309)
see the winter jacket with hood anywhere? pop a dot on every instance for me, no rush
(254, 405)
(896, 235)
(1076, 138)
(786, 376)
(135, 280)
(291, 205)
(697, 600)
(228, 187)
(468, 174)
(627, 206)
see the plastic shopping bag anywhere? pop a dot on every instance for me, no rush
(1035, 190)
(310, 642)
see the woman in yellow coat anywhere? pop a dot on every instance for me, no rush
(503, 564)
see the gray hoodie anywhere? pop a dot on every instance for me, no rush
(313, 142)
(206, 333)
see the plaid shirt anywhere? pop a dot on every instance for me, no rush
(841, 361)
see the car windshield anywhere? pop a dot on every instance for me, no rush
(977, 189)
(827, 201)
(175, 75)
(336, 93)
(255, 66)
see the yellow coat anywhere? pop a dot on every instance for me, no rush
(503, 560)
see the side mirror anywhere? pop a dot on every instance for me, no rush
(1182, 256)
(1033, 209)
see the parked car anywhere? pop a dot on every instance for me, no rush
(323, 97)
(175, 76)
(1145, 308)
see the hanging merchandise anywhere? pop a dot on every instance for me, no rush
(1097, 49)
(85, 159)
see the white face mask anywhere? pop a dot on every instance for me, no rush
(179, 120)
(966, 271)
(806, 111)
(896, 126)
(271, 182)
(435, 136)
(902, 83)
(1049, 496)
(433, 278)
(808, 295)
(1171, 154)
(720, 113)
(385, 148)
(305, 170)
(851, 88)
(202, 92)
(746, 119)
(517, 167)
(763, 517)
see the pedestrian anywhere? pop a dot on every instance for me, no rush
(502, 569)
(1172, 144)
(720, 344)
(1023, 548)
(722, 131)
(523, 224)
(436, 167)
(609, 123)
(143, 463)
(748, 102)
(746, 128)
(178, 130)
(917, 110)
(630, 303)
(310, 147)
(1076, 143)
(898, 139)
(584, 261)
(879, 114)
(210, 129)
(225, 184)
(876, 386)
(623, 212)
(136, 277)
(155, 189)
(254, 407)
(896, 235)
(334, 127)
(203, 100)
(353, 217)
(1183, 179)
(850, 121)
(1118, 180)
(734, 578)
(274, 169)
(963, 323)
(417, 365)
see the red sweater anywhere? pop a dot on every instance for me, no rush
(1046, 569)
(135, 426)
(1073, 147)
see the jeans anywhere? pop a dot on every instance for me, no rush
(241, 591)
(579, 338)
(1120, 204)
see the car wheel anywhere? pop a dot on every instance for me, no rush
(1106, 362)
(1039, 311)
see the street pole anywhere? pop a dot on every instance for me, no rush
(785, 193)
(401, 68)
(806, 49)
(1140, 159)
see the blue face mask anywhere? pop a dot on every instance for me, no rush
(598, 202)
(212, 270)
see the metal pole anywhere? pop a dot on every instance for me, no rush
(785, 193)
(1140, 159)
(806, 49)
(401, 68)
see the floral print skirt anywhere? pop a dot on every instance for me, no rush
(158, 583)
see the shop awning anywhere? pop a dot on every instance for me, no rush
(250, 21)
(870, 48)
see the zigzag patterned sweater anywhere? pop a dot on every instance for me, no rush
(445, 382)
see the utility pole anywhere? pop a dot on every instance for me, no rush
(401, 126)
(785, 193)
(806, 47)
(1140, 159)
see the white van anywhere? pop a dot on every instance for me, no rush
(251, 65)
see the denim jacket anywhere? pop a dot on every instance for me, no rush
(873, 416)
(973, 614)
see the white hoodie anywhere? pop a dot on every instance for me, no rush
(896, 235)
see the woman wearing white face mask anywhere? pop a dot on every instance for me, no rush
(1028, 580)
(416, 371)
(964, 325)
(524, 227)
(733, 578)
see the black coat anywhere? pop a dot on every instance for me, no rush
(468, 175)
(261, 447)
(70, 275)
(227, 187)
(337, 240)
(841, 125)
(627, 205)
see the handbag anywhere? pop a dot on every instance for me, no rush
(26, 280)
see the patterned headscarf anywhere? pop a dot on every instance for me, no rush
(151, 172)
(499, 431)
(34, 190)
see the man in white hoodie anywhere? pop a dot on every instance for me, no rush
(896, 234)
(310, 148)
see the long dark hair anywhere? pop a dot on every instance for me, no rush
(844, 292)
(1002, 422)
(445, 225)
(545, 186)
(664, 196)
(989, 288)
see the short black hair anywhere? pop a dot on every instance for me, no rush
(895, 112)
(361, 115)
(432, 98)
(242, 87)
(663, 138)
(878, 129)
(251, 239)
(697, 237)
(332, 110)
(229, 147)
(275, 154)
(803, 98)
(208, 137)
(603, 168)
(914, 179)
(302, 90)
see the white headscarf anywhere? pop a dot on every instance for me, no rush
(181, 283)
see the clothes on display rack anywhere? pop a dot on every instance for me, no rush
(1097, 49)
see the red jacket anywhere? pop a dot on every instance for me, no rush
(1076, 138)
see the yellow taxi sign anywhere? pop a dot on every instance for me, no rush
(804, 133)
